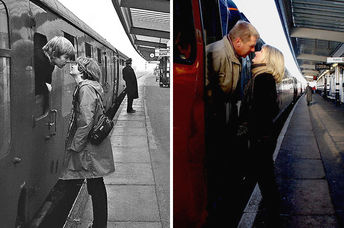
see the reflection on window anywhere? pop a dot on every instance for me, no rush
(184, 48)
(5, 129)
(4, 42)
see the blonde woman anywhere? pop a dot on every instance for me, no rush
(83, 159)
(258, 111)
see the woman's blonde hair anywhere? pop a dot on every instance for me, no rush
(274, 60)
(58, 46)
(89, 68)
(244, 31)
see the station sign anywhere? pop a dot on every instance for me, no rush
(162, 52)
(322, 66)
(335, 59)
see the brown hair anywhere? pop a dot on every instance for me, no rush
(244, 31)
(89, 68)
(58, 46)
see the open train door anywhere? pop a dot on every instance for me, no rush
(189, 189)
(47, 116)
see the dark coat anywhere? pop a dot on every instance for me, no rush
(131, 82)
(260, 106)
(83, 159)
(43, 70)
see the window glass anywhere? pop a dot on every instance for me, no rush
(99, 54)
(106, 70)
(184, 48)
(72, 39)
(5, 130)
(4, 42)
(88, 49)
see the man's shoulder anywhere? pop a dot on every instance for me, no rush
(217, 46)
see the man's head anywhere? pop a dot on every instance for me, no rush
(244, 38)
(59, 50)
(128, 61)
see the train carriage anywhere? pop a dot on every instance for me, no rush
(33, 124)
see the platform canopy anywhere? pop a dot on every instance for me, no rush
(147, 24)
(314, 30)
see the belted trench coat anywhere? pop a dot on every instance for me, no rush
(83, 159)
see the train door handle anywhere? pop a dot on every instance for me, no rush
(52, 123)
(16, 160)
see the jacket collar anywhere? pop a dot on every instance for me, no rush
(230, 50)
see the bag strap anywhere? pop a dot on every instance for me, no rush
(97, 94)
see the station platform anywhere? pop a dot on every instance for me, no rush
(131, 190)
(309, 168)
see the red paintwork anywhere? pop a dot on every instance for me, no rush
(189, 188)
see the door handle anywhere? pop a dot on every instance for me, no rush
(16, 160)
(52, 123)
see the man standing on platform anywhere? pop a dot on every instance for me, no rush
(131, 83)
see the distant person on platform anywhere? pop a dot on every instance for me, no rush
(131, 83)
(309, 92)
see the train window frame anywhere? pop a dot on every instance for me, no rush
(74, 42)
(5, 83)
(106, 70)
(88, 50)
(184, 35)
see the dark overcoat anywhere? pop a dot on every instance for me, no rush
(260, 106)
(131, 82)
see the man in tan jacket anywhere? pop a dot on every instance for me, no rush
(224, 63)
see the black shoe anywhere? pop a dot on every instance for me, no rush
(131, 111)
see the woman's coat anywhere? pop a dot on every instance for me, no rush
(82, 159)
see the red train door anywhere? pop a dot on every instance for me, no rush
(189, 189)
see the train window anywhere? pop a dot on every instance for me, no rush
(99, 54)
(88, 50)
(184, 47)
(43, 74)
(4, 41)
(5, 131)
(211, 20)
(72, 39)
(106, 71)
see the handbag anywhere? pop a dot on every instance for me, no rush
(102, 125)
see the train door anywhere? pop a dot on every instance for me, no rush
(47, 157)
(189, 207)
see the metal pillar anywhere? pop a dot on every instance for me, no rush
(336, 73)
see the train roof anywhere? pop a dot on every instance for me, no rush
(64, 12)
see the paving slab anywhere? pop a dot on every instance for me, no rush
(310, 197)
(129, 154)
(124, 131)
(133, 225)
(131, 173)
(130, 124)
(133, 203)
(136, 141)
(307, 169)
